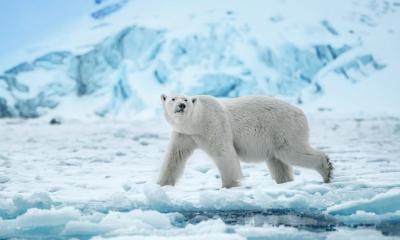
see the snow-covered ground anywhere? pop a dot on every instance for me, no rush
(97, 179)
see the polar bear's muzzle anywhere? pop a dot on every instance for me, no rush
(180, 108)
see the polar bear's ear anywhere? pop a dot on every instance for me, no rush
(194, 100)
(163, 97)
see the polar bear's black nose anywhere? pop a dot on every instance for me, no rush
(182, 106)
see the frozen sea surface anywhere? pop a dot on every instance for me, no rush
(96, 180)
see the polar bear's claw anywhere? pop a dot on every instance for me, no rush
(330, 171)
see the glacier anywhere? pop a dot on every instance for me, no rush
(223, 59)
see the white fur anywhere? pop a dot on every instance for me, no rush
(250, 129)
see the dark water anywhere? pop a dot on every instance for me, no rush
(303, 220)
(312, 221)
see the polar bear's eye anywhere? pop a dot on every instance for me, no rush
(173, 99)
(185, 99)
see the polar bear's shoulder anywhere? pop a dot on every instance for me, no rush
(257, 105)
(209, 102)
(251, 100)
(246, 104)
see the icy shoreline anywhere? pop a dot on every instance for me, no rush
(97, 178)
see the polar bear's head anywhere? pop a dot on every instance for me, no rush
(178, 108)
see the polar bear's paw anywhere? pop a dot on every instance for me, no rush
(230, 184)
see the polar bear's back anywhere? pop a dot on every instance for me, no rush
(260, 121)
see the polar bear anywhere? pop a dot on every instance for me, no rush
(248, 129)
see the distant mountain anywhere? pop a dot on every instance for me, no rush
(285, 49)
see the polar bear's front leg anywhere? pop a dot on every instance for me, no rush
(228, 165)
(229, 168)
(179, 150)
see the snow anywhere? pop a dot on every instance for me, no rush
(96, 178)
(380, 204)
(98, 76)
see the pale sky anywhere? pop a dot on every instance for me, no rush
(24, 21)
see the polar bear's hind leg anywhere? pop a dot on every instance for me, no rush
(280, 171)
(307, 158)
